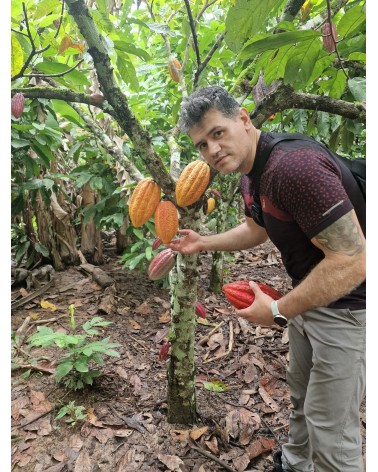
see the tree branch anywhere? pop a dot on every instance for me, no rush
(291, 10)
(116, 98)
(63, 94)
(284, 98)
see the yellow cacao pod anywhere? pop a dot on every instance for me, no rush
(192, 183)
(210, 205)
(143, 201)
(172, 64)
(166, 221)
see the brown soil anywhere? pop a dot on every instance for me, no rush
(126, 427)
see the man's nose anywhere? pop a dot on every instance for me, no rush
(214, 148)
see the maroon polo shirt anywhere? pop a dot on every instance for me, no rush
(303, 190)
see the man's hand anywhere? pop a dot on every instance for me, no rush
(189, 244)
(260, 311)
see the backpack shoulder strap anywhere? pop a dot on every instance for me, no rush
(264, 156)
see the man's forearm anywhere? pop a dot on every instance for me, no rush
(241, 237)
(327, 282)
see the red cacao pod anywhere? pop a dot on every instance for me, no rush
(200, 310)
(17, 105)
(157, 243)
(166, 221)
(192, 183)
(161, 264)
(240, 294)
(329, 36)
(216, 193)
(163, 353)
(143, 201)
(174, 66)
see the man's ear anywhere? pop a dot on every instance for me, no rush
(244, 116)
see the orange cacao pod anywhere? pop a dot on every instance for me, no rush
(210, 205)
(166, 221)
(328, 38)
(173, 64)
(161, 264)
(17, 105)
(192, 183)
(240, 294)
(143, 201)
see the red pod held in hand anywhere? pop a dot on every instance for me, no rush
(240, 294)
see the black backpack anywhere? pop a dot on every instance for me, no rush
(357, 166)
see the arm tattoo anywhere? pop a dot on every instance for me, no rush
(342, 236)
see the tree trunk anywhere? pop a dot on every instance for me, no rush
(181, 370)
(229, 186)
(91, 243)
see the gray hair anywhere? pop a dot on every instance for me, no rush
(195, 106)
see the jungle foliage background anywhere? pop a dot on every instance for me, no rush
(101, 112)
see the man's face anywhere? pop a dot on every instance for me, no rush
(225, 143)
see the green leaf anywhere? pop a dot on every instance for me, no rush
(135, 261)
(301, 62)
(75, 77)
(44, 7)
(17, 56)
(22, 250)
(127, 72)
(43, 152)
(216, 386)
(96, 183)
(83, 179)
(132, 49)
(160, 29)
(245, 19)
(275, 41)
(81, 365)
(351, 20)
(358, 88)
(41, 249)
(63, 369)
(337, 85)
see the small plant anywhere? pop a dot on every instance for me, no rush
(78, 351)
(72, 413)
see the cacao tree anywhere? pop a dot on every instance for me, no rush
(105, 81)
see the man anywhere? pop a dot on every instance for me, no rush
(315, 215)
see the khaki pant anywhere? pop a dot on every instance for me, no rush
(327, 380)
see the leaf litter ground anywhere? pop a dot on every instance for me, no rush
(125, 429)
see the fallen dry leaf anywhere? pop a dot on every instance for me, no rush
(83, 462)
(172, 462)
(75, 442)
(179, 434)
(212, 445)
(144, 308)
(197, 433)
(268, 400)
(259, 446)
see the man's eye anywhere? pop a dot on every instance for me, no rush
(218, 134)
(203, 146)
